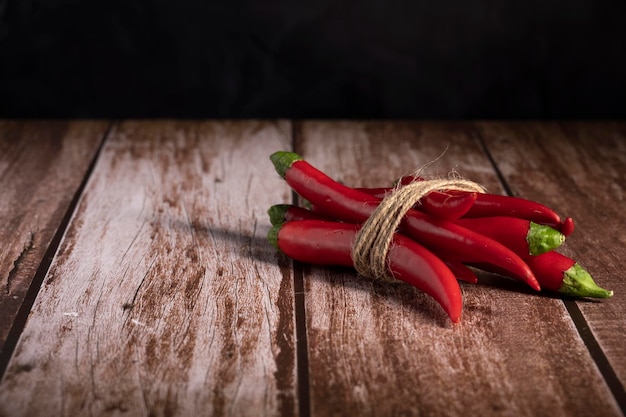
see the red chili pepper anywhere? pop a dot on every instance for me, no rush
(558, 273)
(561, 274)
(330, 243)
(490, 205)
(461, 272)
(520, 235)
(282, 213)
(442, 204)
(448, 205)
(407, 179)
(567, 227)
(381, 192)
(448, 240)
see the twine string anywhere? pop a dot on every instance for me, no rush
(373, 241)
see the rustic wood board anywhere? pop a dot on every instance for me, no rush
(42, 165)
(580, 170)
(165, 297)
(376, 349)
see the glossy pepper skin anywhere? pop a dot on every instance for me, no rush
(446, 239)
(330, 243)
(282, 213)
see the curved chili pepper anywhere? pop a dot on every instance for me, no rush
(330, 243)
(561, 274)
(443, 237)
(448, 205)
(442, 204)
(520, 235)
(282, 213)
(490, 205)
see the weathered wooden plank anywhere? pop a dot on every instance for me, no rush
(580, 170)
(165, 298)
(377, 349)
(42, 164)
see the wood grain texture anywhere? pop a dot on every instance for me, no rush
(42, 165)
(580, 170)
(377, 349)
(165, 298)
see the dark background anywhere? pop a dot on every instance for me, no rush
(444, 59)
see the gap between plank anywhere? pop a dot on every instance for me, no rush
(302, 353)
(22, 315)
(596, 352)
(579, 320)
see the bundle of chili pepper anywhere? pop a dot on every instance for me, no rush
(436, 240)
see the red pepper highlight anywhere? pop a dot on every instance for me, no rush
(448, 240)
(330, 243)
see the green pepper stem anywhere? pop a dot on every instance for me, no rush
(272, 236)
(277, 213)
(577, 282)
(542, 238)
(283, 160)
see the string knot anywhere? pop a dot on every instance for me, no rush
(373, 241)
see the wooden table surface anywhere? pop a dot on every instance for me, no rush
(137, 278)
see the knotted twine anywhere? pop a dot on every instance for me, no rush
(373, 241)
